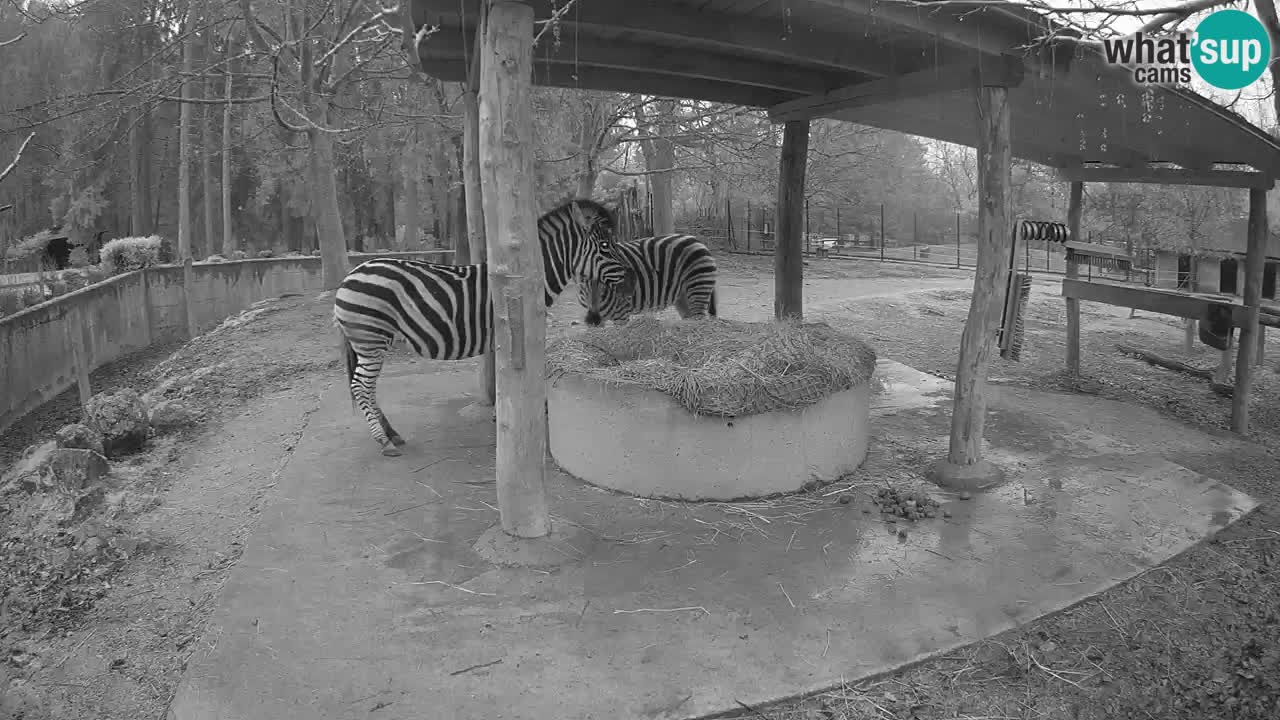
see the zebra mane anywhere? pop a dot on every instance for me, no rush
(589, 207)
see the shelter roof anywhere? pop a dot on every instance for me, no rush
(907, 67)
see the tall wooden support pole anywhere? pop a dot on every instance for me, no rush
(788, 257)
(515, 265)
(964, 466)
(475, 194)
(1248, 349)
(1075, 204)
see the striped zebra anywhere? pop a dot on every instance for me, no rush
(668, 270)
(445, 311)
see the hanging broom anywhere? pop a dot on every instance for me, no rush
(1012, 326)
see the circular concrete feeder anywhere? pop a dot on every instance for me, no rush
(642, 442)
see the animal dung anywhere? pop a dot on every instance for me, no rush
(911, 506)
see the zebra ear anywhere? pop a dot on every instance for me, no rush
(578, 216)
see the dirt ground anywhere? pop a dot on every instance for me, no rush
(1197, 638)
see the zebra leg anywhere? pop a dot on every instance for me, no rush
(364, 384)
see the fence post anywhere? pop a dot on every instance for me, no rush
(882, 232)
(957, 241)
(915, 236)
(1027, 251)
(748, 223)
(79, 354)
(837, 223)
(808, 240)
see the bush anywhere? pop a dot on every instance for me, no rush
(215, 259)
(58, 288)
(96, 273)
(131, 253)
(32, 296)
(266, 253)
(10, 303)
(239, 255)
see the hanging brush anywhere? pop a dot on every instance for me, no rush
(1014, 327)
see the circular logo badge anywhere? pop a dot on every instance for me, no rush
(1231, 49)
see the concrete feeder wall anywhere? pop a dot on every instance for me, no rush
(642, 442)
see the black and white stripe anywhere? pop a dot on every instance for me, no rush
(668, 270)
(445, 312)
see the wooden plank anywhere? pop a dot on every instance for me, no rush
(1159, 300)
(788, 277)
(977, 341)
(515, 266)
(1253, 265)
(1004, 71)
(1169, 176)
(1075, 206)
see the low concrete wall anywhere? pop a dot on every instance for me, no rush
(642, 442)
(128, 312)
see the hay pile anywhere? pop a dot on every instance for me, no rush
(718, 367)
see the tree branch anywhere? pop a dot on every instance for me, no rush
(16, 158)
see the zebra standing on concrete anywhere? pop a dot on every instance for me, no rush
(445, 311)
(668, 270)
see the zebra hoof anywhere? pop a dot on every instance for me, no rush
(391, 451)
(397, 441)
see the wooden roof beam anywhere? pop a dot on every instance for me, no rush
(629, 55)
(981, 35)
(1004, 71)
(609, 80)
(1169, 176)
(731, 34)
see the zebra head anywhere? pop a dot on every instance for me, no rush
(595, 257)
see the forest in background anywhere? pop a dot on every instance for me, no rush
(122, 107)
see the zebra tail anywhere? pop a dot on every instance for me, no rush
(350, 354)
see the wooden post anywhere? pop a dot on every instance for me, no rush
(75, 328)
(1075, 205)
(788, 260)
(188, 281)
(1262, 345)
(990, 277)
(515, 265)
(1248, 351)
(475, 194)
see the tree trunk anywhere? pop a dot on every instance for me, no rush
(184, 158)
(515, 270)
(324, 204)
(141, 206)
(475, 218)
(412, 202)
(184, 184)
(788, 298)
(458, 203)
(990, 278)
(660, 158)
(210, 203)
(440, 194)
(228, 234)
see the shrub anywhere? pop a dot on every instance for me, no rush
(58, 288)
(10, 303)
(215, 259)
(32, 296)
(239, 255)
(266, 253)
(131, 253)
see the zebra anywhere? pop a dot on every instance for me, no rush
(667, 269)
(446, 312)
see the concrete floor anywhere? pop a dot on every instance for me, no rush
(360, 594)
